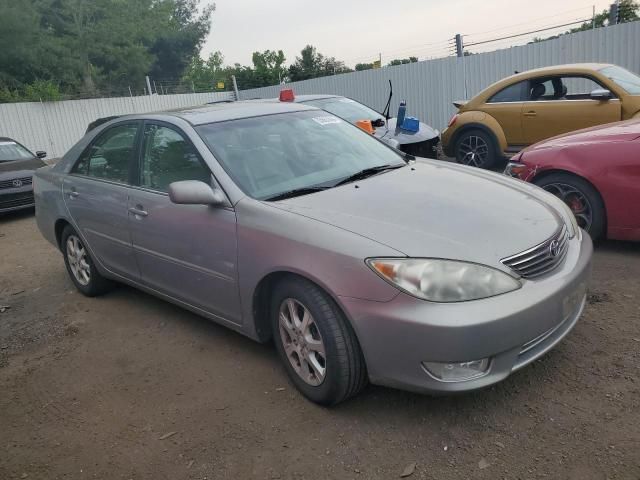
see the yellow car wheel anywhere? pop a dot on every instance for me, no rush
(476, 148)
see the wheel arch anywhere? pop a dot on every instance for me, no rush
(59, 227)
(551, 171)
(494, 130)
(261, 299)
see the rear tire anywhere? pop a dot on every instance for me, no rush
(322, 356)
(581, 197)
(80, 265)
(476, 148)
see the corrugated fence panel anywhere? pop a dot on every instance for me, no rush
(431, 86)
(57, 126)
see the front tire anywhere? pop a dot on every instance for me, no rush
(80, 265)
(476, 148)
(317, 346)
(581, 197)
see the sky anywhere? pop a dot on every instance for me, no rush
(357, 31)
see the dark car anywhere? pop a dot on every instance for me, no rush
(17, 165)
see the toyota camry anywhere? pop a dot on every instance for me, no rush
(286, 223)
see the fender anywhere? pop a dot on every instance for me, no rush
(479, 120)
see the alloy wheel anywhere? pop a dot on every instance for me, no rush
(302, 342)
(474, 150)
(575, 200)
(78, 260)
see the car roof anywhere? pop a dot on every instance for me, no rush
(309, 98)
(297, 98)
(555, 70)
(220, 112)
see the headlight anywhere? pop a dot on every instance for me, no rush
(565, 212)
(440, 280)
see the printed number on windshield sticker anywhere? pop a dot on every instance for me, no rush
(326, 120)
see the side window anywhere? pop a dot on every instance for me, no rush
(168, 158)
(512, 93)
(110, 154)
(562, 88)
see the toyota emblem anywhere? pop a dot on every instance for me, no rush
(554, 248)
(17, 183)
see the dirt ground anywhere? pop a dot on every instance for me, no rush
(128, 386)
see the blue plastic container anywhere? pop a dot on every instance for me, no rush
(410, 124)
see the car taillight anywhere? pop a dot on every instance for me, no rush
(287, 95)
(453, 120)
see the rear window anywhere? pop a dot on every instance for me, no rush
(512, 93)
(11, 151)
(346, 108)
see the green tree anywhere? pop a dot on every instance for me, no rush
(402, 61)
(269, 67)
(311, 64)
(363, 66)
(179, 36)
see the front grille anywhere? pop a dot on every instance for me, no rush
(542, 258)
(9, 183)
(16, 200)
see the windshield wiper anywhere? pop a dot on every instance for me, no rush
(367, 172)
(296, 192)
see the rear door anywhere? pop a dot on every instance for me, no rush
(185, 251)
(562, 104)
(96, 191)
(506, 107)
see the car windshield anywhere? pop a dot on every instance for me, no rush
(624, 78)
(10, 151)
(346, 108)
(270, 155)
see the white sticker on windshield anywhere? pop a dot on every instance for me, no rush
(326, 120)
(8, 143)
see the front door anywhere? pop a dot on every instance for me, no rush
(563, 104)
(96, 192)
(185, 251)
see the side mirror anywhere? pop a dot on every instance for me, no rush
(40, 154)
(195, 192)
(600, 94)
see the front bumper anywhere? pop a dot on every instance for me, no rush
(512, 329)
(16, 199)
(424, 149)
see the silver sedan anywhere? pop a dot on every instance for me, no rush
(284, 222)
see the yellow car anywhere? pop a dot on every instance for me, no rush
(535, 105)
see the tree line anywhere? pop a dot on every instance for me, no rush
(54, 48)
(57, 49)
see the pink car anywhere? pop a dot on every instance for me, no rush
(596, 172)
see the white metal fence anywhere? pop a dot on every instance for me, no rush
(57, 126)
(431, 86)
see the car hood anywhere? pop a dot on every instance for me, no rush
(613, 132)
(16, 168)
(425, 132)
(435, 209)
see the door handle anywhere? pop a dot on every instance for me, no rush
(138, 211)
(530, 114)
